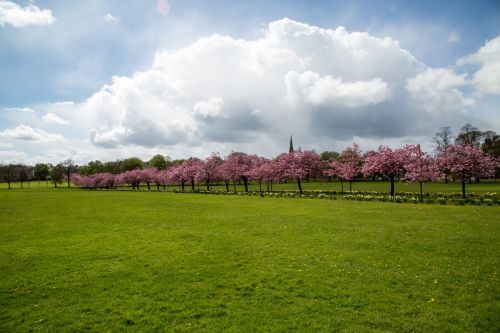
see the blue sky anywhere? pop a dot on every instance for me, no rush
(70, 57)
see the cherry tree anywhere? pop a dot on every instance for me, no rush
(238, 166)
(297, 165)
(419, 166)
(261, 171)
(208, 170)
(190, 169)
(466, 162)
(175, 176)
(149, 175)
(132, 177)
(347, 166)
(385, 162)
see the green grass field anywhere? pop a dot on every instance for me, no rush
(75, 260)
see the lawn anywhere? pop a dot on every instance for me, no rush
(74, 260)
(378, 186)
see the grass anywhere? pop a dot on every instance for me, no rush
(74, 260)
(378, 186)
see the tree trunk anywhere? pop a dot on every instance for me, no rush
(245, 181)
(260, 186)
(299, 185)
(446, 178)
(341, 185)
(391, 177)
(421, 192)
(182, 186)
(149, 188)
(8, 184)
(463, 187)
(192, 184)
(227, 185)
(234, 185)
(158, 187)
(350, 186)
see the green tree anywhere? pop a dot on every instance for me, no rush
(112, 167)
(95, 167)
(57, 173)
(131, 163)
(159, 162)
(41, 171)
(329, 156)
(491, 144)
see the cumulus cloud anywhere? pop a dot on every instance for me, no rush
(486, 80)
(13, 156)
(18, 17)
(108, 18)
(52, 118)
(27, 133)
(221, 94)
(437, 90)
(310, 87)
(211, 108)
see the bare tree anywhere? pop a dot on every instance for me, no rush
(443, 139)
(469, 135)
(69, 168)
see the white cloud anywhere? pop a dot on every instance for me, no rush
(20, 110)
(220, 89)
(221, 94)
(108, 18)
(6, 145)
(454, 37)
(27, 133)
(18, 17)
(436, 90)
(13, 156)
(52, 118)
(487, 79)
(211, 108)
(327, 90)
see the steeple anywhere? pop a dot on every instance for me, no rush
(291, 144)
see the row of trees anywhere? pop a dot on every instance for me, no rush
(21, 173)
(410, 163)
(330, 164)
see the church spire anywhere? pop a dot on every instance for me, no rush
(291, 144)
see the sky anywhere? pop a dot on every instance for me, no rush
(107, 80)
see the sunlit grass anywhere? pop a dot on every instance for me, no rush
(74, 260)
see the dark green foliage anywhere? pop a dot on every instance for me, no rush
(131, 163)
(159, 162)
(41, 171)
(329, 155)
(57, 173)
(491, 144)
